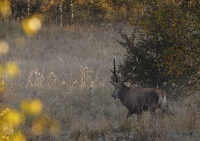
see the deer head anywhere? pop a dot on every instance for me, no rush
(119, 85)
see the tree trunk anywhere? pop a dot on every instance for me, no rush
(61, 13)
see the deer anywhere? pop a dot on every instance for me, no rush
(138, 99)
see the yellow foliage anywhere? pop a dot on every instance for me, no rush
(14, 118)
(12, 69)
(4, 47)
(37, 128)
(5, 10)
(18, 137)
(32, 107)
(35, 107)
(54, 128)
(32, 24)
(40, 125)
(3, 86)
(11, 119)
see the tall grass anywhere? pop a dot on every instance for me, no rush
(68, 69)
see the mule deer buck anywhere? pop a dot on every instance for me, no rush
(138, 99)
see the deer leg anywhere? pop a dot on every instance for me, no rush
(130, 112)
(167, 110)
(153, 110)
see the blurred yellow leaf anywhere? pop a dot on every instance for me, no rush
(5, 10)
(12, 69)
(35, 107)
(32, 24)
(3, 87)
(4, 47)
(18, 137)
(40, 125)
(37, 128)
(32, 107)
(24, 105)
(54, 128)
(14, 118)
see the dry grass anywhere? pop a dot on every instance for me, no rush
(68, 69)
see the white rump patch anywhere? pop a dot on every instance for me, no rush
(162, 102)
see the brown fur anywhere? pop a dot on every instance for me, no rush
(138, 99)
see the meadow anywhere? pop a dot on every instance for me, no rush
(69, 70)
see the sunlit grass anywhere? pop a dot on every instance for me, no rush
(20, 41)
(64, 89)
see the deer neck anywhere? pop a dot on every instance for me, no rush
(123, 94)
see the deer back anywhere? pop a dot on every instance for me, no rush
(140, 97)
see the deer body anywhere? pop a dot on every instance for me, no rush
(138, 99)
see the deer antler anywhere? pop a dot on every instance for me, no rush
(134, 68)
(114, 77)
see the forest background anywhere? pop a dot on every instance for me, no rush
(61, 61)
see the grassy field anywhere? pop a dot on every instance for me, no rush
(68, 69)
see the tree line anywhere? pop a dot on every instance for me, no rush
(165, 36)
(73, 11)
(167, 44)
